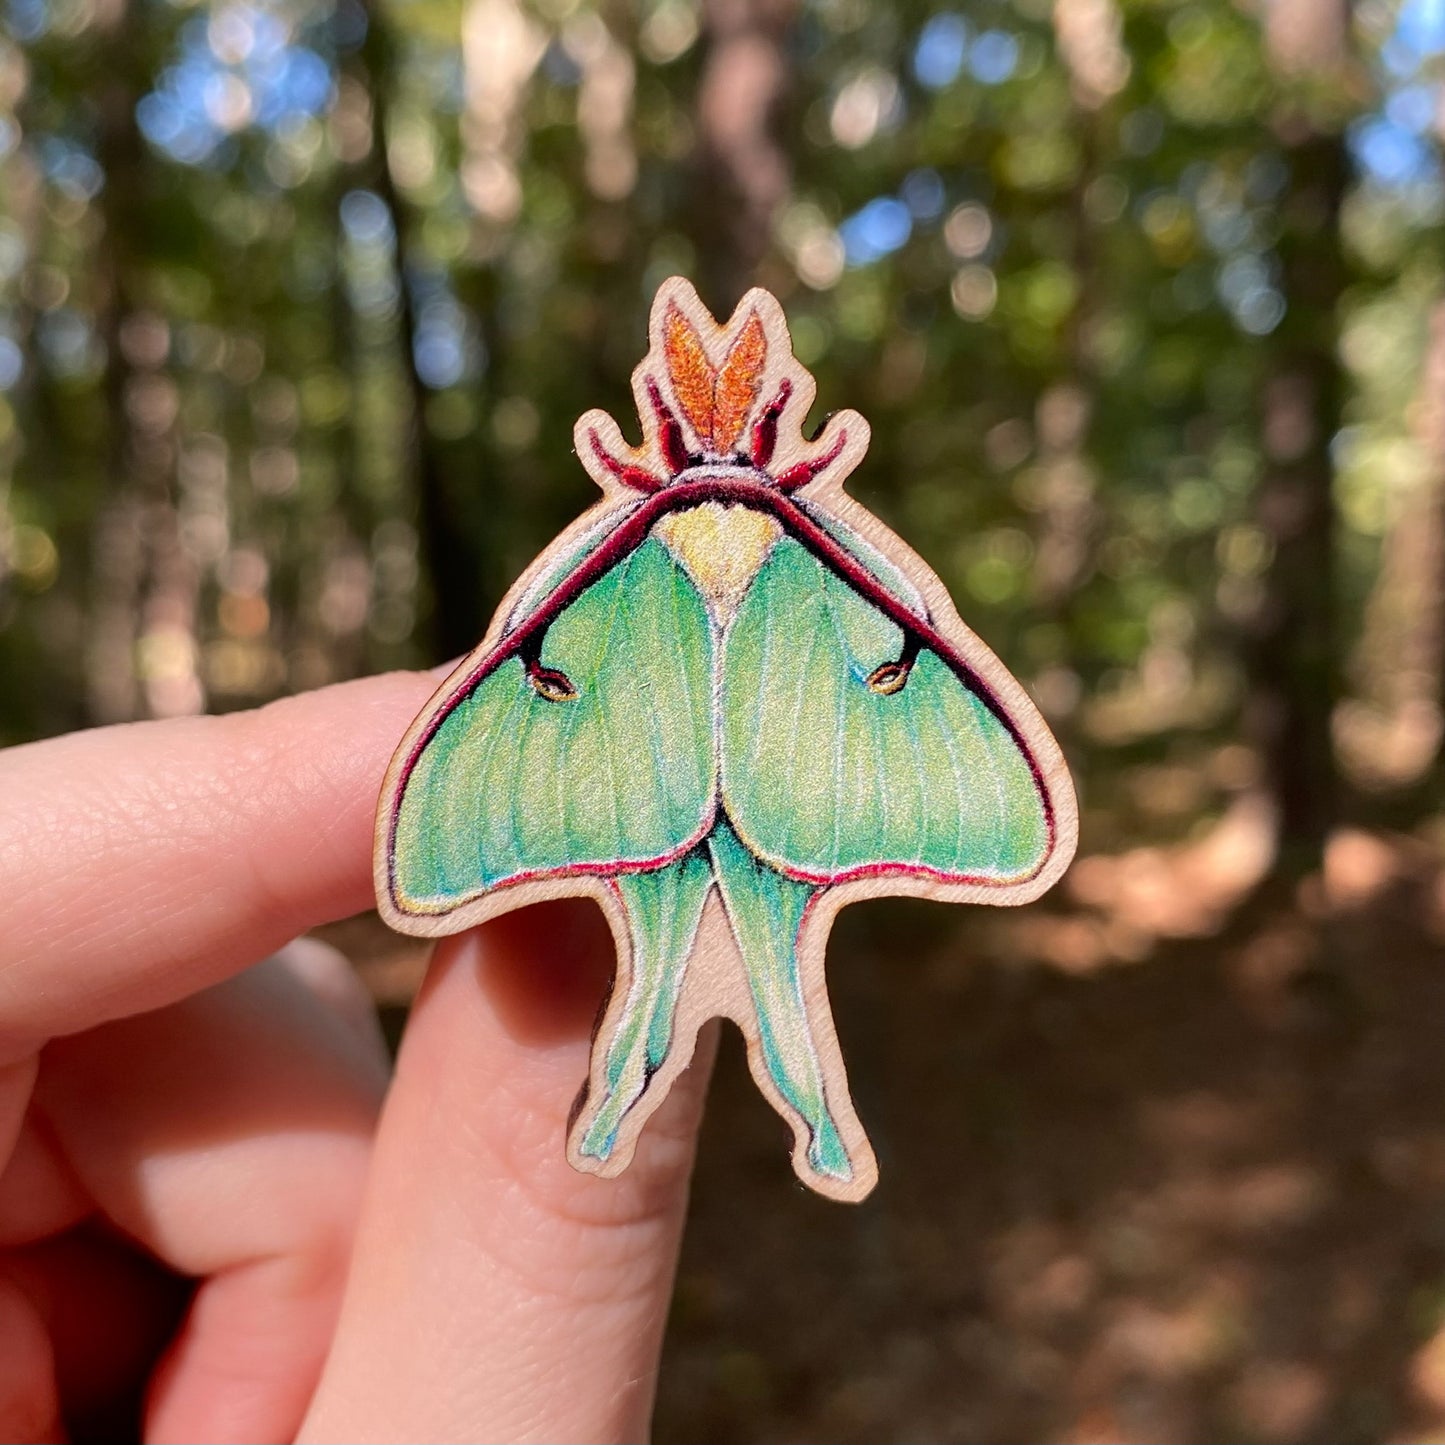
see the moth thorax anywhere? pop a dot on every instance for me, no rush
(722, 549)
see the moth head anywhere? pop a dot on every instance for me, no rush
(714, 397)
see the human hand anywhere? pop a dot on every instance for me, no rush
(198, 1205)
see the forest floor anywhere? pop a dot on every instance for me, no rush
(1161, 1165)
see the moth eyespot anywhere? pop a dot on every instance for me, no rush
(551, 684)
(889, 678)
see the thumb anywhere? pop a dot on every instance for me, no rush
(496, 1293)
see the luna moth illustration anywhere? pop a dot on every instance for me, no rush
(726, 702)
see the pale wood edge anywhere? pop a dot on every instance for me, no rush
(715, 985)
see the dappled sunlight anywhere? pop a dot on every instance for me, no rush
(1127, 903)
(298, 305)
(1145, 894)
(501, 46)
(1180, 1221)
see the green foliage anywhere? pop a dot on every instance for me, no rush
(296, 353)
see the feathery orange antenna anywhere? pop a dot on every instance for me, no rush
(693, 376)
(716, 401)
(736, 392)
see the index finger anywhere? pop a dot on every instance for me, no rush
(143, 862)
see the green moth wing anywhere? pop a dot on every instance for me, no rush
(511, 784)
(663, 908)
(831, 779)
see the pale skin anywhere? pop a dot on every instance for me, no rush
(184, 1092)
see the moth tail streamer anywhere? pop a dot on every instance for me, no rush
(663, 909)
(766, 911)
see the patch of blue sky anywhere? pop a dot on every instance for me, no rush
(1413, 107)
(70, 167)
(993, 57)
(366, 220)
(27, 20)
(922, 192)
(1390, 154)
(1395, 147)
(1421, 26)
(939, 53)
(295, 82)
(943, 50)
(244, 45)
(877, 230)
(446, 347)
(12, 362)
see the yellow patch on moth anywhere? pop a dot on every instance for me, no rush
(723, 548)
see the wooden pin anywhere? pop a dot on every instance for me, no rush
(726, 702)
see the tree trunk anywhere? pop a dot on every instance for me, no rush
(142, 656)
(742, 173)
(449, 555)
(1294, 647)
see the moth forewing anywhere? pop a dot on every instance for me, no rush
(1053, 772)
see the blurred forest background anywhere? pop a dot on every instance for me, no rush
(1145, 300)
